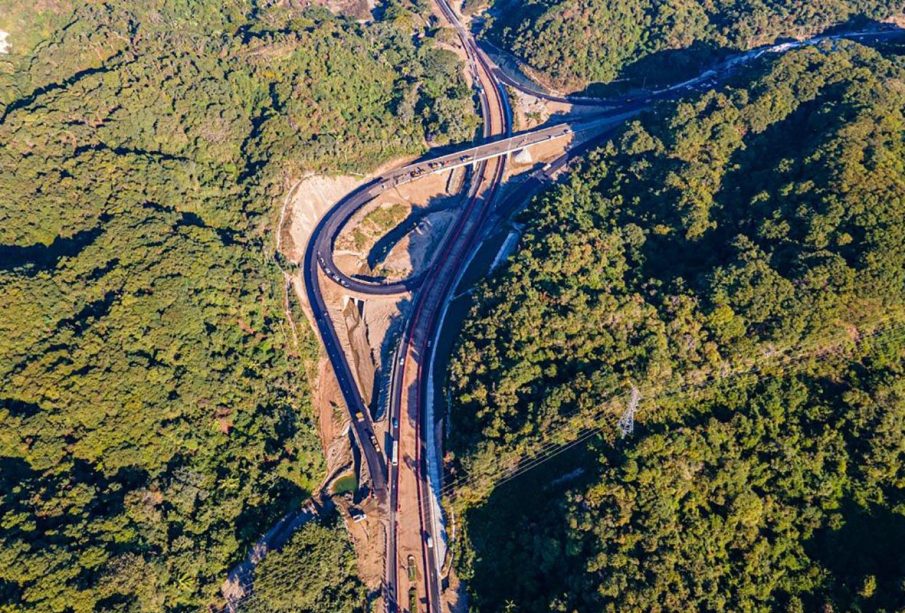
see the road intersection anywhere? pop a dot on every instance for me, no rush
(414, 531)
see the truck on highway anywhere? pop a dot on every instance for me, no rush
(394, 458)
(412, 572)
(375, 443)
(357, 515)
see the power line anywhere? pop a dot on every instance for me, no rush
(627, 421)
(666, 394)
(549, 450)
(504, 471)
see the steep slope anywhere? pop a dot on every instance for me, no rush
(576, 42)
(739, 258)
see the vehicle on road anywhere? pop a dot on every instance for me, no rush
(395, 456)
(375, 443)
(430, 542)
(413, 599)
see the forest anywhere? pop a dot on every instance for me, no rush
(155, 416)
(573, 43)
(739, 258)
(327, 581)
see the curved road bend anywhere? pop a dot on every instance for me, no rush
(415, 339)
(720, 67)
(319, 252)
(330, 227)
(404, 406)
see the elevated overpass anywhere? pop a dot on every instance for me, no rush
(334, 222)
(504, 146)
(415, 347)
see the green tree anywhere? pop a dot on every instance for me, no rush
(314, 571)
(738, 256)
(576, 42)
(155, 419)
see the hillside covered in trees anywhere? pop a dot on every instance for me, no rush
(740, 258)
(782, 495)
(154, 411)
(576, 42)
(326, 580)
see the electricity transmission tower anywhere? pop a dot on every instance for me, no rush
(627, 421)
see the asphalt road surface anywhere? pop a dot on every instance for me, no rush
(433, 287)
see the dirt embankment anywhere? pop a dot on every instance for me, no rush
(359, 347)
(305, 206)
(363, 330)
(396, 234)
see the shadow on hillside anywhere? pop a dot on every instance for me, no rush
(670, 66)
(383, 374)
(382, 247)
(865, 549)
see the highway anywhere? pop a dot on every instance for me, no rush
(334, 223)
(362, 425)
(721, 67)
(621, 106)
(410, 514)
(405, 407)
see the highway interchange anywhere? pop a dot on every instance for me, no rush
(432, 288)
(428, 303)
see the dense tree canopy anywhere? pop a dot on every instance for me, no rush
(315, 571)
(783, 495)
(154, 413)
(736, 225)
(576, 42)
(755, 507)
(740, 258)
